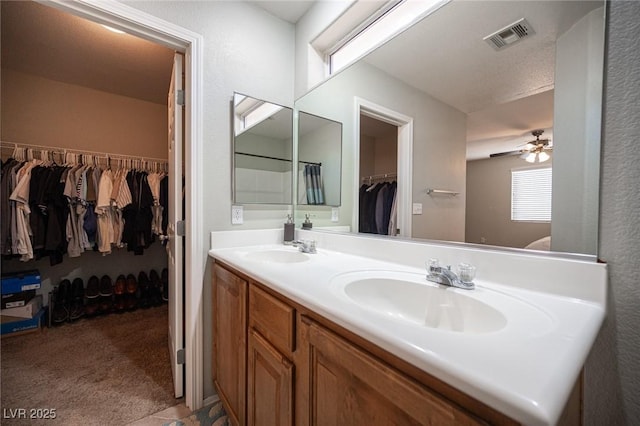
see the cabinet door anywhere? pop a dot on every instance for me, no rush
(270, 384)
(229, 341)
(347, 386)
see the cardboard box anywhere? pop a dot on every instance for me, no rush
(27, 311)
(17, 299)
(17, 282)
(22, 325)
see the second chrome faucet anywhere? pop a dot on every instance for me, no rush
(445, 276)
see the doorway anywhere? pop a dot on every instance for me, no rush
(148, 27)
(373, 113)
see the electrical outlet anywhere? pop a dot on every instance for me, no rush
(237, 215)
(417, 208)
(335, 215)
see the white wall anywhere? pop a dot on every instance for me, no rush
(612, 376)
(310, 68)
(576, 134)
(489, 205)
(249, 51)
(246, 50)
(438, 151)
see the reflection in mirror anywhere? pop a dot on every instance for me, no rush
(262, 151)
(319, 160)
(469, 99)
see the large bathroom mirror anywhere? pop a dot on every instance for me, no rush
(319, 160)
(464, 97)
(262, 152)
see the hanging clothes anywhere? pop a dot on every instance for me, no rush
(138, 215)
(52, 210)
(376, 213)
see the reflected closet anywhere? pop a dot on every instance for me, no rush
(378, 177)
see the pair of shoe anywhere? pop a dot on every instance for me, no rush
(155, 290)
(76, 309)
(119, 289)
(144, 290)
(61, 297)
(68, 301)
(97, 288)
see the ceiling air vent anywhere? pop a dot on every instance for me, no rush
(510, 34)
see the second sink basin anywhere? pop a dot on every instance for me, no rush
(410, 298)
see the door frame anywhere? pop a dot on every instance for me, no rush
(405, 160)
(151, 28)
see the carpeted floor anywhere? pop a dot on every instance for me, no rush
(108, 370)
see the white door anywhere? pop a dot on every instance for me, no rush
(175, 227)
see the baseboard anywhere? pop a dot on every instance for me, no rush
(210, 400)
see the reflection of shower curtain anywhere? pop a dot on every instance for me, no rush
(313, 183)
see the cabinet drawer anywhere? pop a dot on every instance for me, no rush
(272, 318)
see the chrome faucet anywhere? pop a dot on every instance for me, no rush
(445, 276)
(306, 246)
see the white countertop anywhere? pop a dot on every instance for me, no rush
(526, 369)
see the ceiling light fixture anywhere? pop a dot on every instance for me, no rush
(535, 156)
(113, 29)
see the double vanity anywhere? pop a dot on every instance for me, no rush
(355, 333)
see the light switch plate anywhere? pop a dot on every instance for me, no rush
(335, 215)
(417, 208)
(237, 216)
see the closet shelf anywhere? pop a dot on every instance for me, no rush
(61, 150)
(371, 178)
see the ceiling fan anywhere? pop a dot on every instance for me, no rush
(533, 151)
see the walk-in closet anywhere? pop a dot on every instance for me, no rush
(378, 207)
(84, 208)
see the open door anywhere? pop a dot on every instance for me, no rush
(175, 227)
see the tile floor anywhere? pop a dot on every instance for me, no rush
(163, 417)
(212, 414)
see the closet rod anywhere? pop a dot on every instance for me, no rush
(379, 176)
(13, 145)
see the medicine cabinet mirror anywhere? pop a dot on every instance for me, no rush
(467, 99)
(319, 160)
(262, 152)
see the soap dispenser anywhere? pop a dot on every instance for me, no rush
(289, 230)
(307, 223)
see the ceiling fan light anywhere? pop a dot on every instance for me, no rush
(543, 156)
(531, 157)
(529, 146)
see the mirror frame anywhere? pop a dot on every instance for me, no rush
(564, 254)
(234, 143)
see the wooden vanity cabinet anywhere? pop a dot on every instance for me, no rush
(271, 372)
(229, 365)
(277, 363)
(348, 386)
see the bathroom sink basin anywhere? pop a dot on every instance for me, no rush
(412, 299)
(278, 256)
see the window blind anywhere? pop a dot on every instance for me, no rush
(531, 195)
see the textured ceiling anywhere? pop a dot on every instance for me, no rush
(44, 41)
(445, 56)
